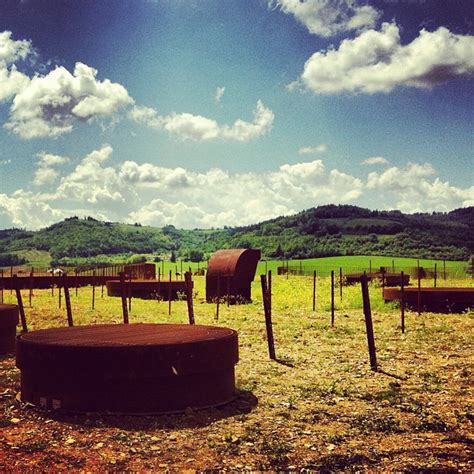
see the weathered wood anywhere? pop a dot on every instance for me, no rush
(402, 302)
(189, 296)
(19, 299)
(368, 323)
(67, 299)
(268, 318)
(314, 290)
(124, 297)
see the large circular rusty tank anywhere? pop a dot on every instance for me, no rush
(230, 273)
(437, 300)
(136, 368)
(8, 322)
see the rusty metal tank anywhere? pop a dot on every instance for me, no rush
(230, 273)
(128, 368)
(436, 300)
(8, 322)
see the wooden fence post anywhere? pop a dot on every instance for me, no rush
(93, 289)
(189, 296)
(314, 290)
(59, 294)
(435, 275)
(130, 291)
(332, 298)
(268, 317)
(419, 289)
(340, 283)
(19, 299)
(368, 323)
(169, 295)
(67, 299)
(124, 297)
(402, 301)
(31, 289)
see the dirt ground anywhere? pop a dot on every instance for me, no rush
(318, 407)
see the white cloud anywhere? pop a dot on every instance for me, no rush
(156, 195)
(12, 80)
(45, 174)
(309, 150)
(329, 17)
(12, 50)
(376, 61)
(219, 94)
(375, 160)
(412, 190)
(187, 126)
(50, 105)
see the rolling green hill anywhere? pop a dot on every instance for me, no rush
(318, 232)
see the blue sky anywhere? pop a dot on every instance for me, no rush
(204, 113)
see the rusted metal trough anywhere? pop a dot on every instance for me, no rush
(437, 300)
(148, 289)
(230, 273)
(390, 279)
(128, 368)
(8, 321)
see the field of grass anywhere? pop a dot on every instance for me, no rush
(323, 266)
(318, 407)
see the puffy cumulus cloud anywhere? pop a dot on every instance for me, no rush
(375, 160)
(309, 150)
(45, 174)
(376, 61)
(12, 80)
(186, 126)
(50, 105)
(156, 195)
(329, 17)
(13, 50)
(28, 209)
(414, 191)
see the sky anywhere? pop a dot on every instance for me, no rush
(212, 113)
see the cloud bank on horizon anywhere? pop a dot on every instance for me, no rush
(154, 195)
(370, 59)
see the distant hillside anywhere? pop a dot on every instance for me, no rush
(317, 232)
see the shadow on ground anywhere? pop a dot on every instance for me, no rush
(244, 403)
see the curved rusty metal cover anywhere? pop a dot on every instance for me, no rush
(231, 272)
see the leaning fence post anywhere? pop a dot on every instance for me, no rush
(340, 283)
(435, 275)
(130, 291)
(67, 299)
(368, 323)
(124, 297)
(19, 299)
(189, 296)
(268, 318)
(402, 301)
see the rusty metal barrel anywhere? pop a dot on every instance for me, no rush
(134, 368)
(8, 322)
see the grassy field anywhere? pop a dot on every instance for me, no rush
(318, 407)
(348, 264)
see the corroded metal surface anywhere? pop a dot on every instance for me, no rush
(148, 289)
(8, 322)
(231, 272)
(390, 279)
(438, 300)
(135, 368)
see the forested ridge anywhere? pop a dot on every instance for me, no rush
(317, 232)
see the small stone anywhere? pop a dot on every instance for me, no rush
(70, 441)
(15, 420)
(99, 446)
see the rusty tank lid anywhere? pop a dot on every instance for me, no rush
(118, 347)
(229, 262)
